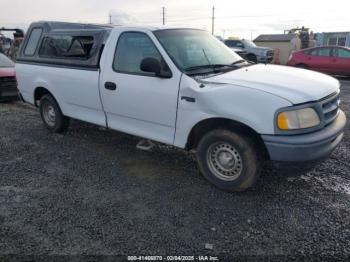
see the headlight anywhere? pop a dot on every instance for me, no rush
(298, 119)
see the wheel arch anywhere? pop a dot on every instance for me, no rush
(39, 92)
(209, 124)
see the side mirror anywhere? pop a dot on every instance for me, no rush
(152, 65)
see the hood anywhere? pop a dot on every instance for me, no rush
(293, 84)
(259, 48)
(7, 72)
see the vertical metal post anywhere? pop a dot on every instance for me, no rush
(212, 21)
(163, 15)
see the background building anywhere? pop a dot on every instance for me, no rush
(283, 44)
(333, 38)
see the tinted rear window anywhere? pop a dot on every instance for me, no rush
(339, 52)
(66, 46)
(5, 62)
(33, 41)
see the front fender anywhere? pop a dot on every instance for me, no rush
(251, 107)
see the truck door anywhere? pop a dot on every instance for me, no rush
(137, 102)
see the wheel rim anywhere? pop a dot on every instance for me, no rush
(49, 114)
(224, 161)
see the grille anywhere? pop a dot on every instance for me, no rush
(8, 83)
(330, 108)
(269, 53)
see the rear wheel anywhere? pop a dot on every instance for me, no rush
(52, 116)
(228, 160)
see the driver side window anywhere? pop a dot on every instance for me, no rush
(240, 44)
(234, 43)
(132, 48)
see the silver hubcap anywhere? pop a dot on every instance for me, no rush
(49, 114)
(224, 161)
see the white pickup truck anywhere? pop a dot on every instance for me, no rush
(181, 87)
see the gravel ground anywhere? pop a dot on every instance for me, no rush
(91, 192)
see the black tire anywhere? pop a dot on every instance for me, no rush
(54, 120)
(252, 58)
(246, 167)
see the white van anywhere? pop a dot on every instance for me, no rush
(181, 87)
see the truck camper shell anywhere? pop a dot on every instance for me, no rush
(64, 44)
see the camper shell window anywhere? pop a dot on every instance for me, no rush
(65, 46)
(33, 41)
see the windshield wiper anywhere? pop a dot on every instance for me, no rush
(213, 66)
(238, 62)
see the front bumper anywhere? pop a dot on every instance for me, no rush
(307, 147)
(8, 95)
(8, 88)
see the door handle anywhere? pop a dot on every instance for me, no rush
(188, 99)
(110, 86)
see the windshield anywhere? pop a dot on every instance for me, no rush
(191, 48)
(5, 62)
(249, 43)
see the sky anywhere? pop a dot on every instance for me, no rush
(243, 18)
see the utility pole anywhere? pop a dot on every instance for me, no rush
(163, 15)
(212, 21)
(110, 18)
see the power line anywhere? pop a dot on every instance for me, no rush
(187, 19)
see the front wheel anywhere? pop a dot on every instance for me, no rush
(52, 116)
(228, 160)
